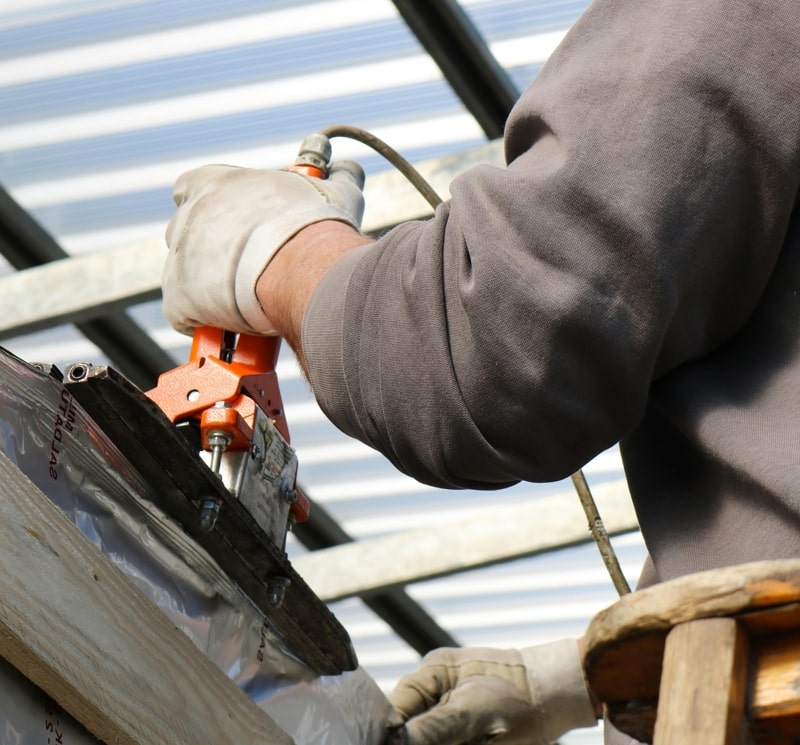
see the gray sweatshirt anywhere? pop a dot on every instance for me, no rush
(632, 276)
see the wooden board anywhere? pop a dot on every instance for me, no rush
(636, 626)
(75, 626)
(180, 481)
(775, 695)
(625, 644)
(703, 684)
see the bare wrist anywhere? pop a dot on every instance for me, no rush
(286, 285)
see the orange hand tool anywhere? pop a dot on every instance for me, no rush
(230, 378)
(220, 388)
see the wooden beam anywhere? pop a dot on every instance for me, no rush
(776, 680)
(75, 626)
(703, 684)
(88, 286)
(545, 524)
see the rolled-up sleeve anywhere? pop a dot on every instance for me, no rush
(652, 171)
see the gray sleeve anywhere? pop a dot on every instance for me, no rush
(653, 167)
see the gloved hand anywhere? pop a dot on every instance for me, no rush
(229, 223)
(528, 696)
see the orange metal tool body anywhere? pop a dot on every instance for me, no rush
(306, 169)
(221, 385)
(228, 378)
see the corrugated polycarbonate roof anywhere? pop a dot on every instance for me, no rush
(105, 102)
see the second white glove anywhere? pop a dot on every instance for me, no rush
(229, 224)
(528, 696)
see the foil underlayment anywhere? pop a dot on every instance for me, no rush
(61, 450)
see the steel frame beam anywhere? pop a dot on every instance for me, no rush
(409, 620)
(452, 40)
(27, 244)
(379, 564)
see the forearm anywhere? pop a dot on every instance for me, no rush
(289, 280)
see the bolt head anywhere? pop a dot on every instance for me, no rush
(209, 512)
(276, 591)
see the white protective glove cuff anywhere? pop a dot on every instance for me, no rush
(337, 198)
(558, 687)
(229, 224)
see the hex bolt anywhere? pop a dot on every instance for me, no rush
(218, 441)
(209, 512)
(276, 590)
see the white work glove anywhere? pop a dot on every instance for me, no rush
(229, 223)
(528, 696)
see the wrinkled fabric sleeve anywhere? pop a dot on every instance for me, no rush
(652, 171)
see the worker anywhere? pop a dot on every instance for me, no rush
(631, 276)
